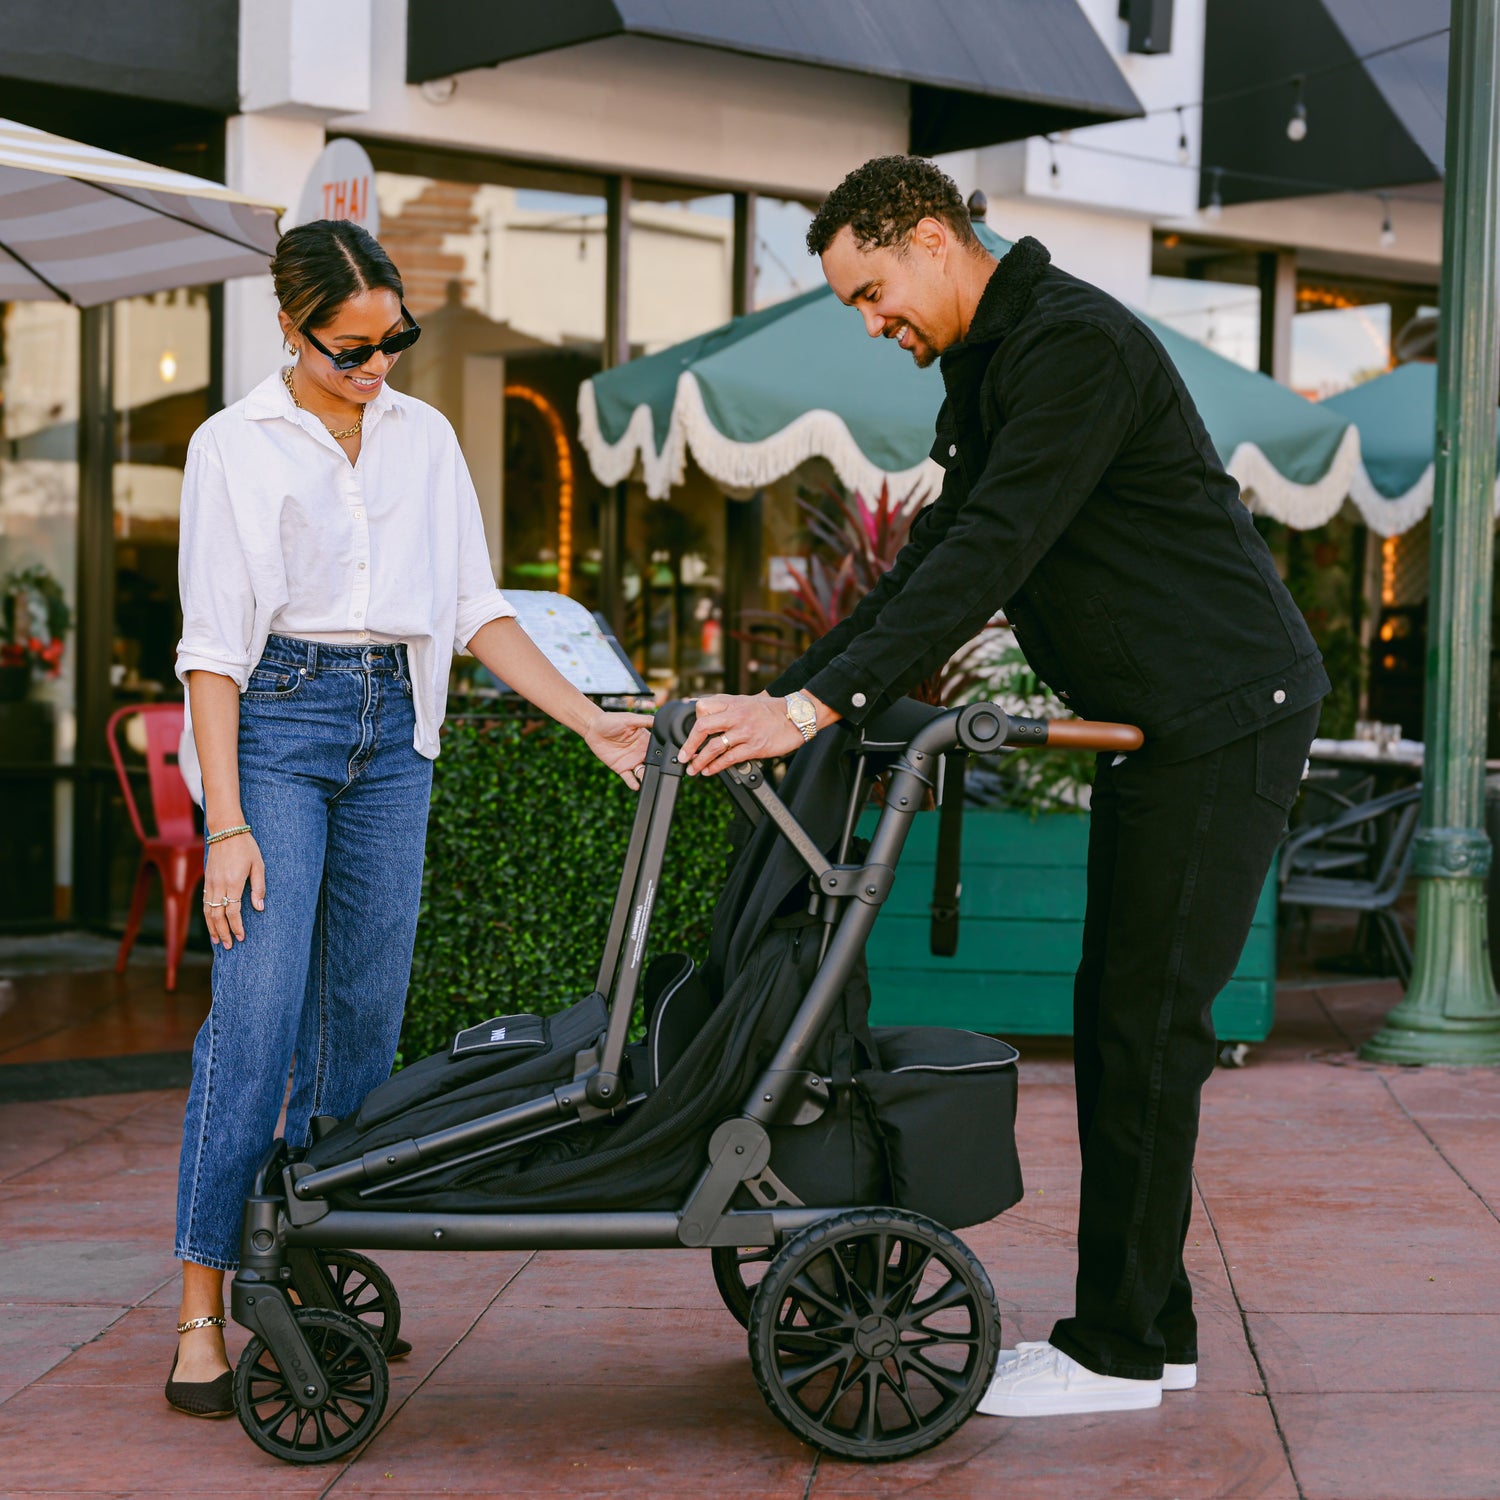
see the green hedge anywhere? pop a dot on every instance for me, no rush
(524, 848)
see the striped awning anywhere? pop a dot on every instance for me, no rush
(85, 226)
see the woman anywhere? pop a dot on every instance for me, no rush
(332, 560)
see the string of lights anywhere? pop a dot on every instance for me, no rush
(1271, 179)
(1214, 208)
(1297, 80)
(1296, 128)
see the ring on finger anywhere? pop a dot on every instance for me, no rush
(216, 904)
(726, 742)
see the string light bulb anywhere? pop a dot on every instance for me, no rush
(1296, 126)
(1182, 141)
(1387, 229)
(1215, 209)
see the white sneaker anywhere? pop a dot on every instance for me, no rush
(1044, 1382)
(1173, 1377)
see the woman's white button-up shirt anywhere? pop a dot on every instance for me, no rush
(281, 533)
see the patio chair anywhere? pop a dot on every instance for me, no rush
(1326, 793)
(1306, 883)
(175, 849)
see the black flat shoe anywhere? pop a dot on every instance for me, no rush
(201, 1398)
(399, 1350)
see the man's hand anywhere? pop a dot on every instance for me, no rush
(621, 742)
(731, 730)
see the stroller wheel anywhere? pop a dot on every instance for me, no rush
(357, 1389)
(874, 1334)
(360, 1288)
(736, 1274)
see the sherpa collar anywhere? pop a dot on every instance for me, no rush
(1009, 289)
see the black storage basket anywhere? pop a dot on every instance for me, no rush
(944, 1103)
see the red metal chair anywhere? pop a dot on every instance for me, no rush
(175, 850)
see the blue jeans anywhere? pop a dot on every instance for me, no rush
(338, 798)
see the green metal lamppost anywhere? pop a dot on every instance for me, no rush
(1451, 1013)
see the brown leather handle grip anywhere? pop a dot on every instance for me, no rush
(1087, 734)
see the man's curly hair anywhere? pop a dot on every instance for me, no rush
(884, 200)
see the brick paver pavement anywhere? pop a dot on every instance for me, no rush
(1345, 1248)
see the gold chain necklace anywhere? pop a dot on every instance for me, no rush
(291, 390)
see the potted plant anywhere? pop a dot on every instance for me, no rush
(34, 622)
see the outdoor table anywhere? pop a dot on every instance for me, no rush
(1403, 755)
(1395, 761)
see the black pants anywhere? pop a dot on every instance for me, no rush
(1177, 858)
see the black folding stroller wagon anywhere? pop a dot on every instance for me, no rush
(823, 1165)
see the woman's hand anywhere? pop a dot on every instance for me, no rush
(232, 862)
(621, 742)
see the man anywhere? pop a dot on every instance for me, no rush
(1084, 497)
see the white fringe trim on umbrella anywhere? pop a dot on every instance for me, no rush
(745, 467)
(1268, 492)
(1391, 516)
(737, 466)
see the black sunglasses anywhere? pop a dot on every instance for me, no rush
(352, 359)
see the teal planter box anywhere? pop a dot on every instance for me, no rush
(1021, 934)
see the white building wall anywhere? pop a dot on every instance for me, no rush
(1345, 225)
(655, 109)
(300, 62)
(268, 156)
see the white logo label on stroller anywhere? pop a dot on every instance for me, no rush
(642, 923)
(498, 1034)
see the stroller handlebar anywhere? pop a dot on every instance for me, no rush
(977, 727)
(987, 726)
(1089, 734)
(674, 722)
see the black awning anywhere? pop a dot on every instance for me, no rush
(980, 71)
(1373, 124)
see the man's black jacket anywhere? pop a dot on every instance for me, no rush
(1084, 497)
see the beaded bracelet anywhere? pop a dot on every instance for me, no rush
(227, 833)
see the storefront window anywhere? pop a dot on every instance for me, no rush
(162, 393)
(38, 538)
(1341, 336)
(1208, 292)
(681, 265)
(673, 587)
(1222, 316)
(508, 284)
(783, 268)
(681, 284)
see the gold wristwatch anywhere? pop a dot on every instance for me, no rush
(800, 711)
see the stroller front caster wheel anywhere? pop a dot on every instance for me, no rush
(358, 1385)
(873, 1334)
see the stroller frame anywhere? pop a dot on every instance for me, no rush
(288, 1217)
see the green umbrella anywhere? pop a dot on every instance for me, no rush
(1396, 415)
(761, 395)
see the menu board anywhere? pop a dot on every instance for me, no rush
(575, 643)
